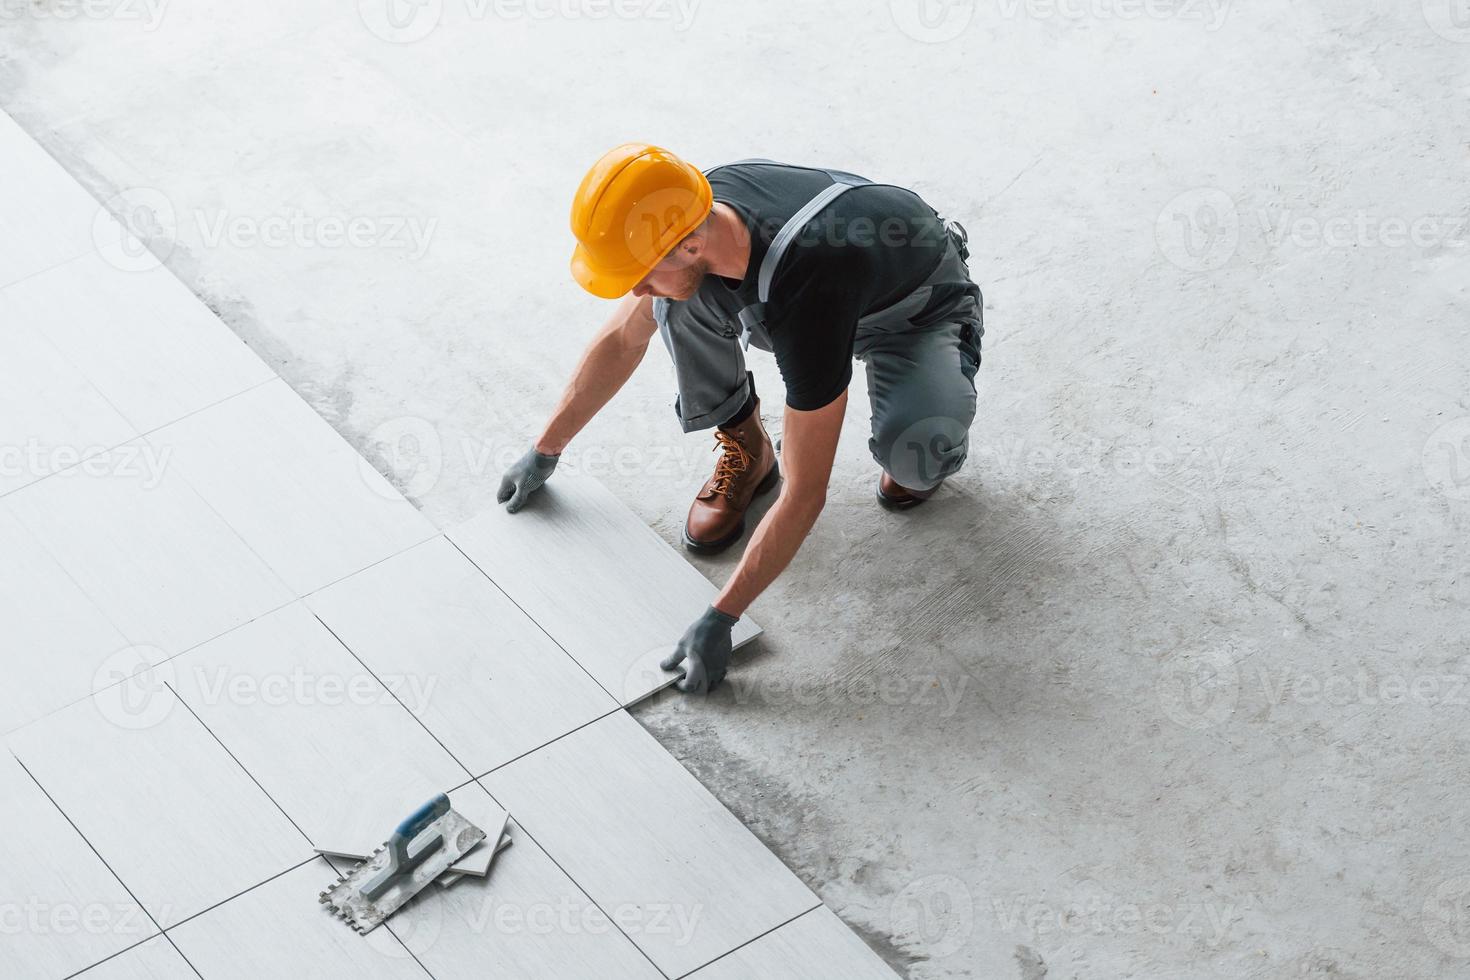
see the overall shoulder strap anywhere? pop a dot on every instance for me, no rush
(842, 183)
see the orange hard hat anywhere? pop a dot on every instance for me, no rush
(632, 208)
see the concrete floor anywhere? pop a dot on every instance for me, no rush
(1171, 681)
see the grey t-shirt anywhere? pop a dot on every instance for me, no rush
(865, 251)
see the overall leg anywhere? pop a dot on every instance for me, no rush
(716, 389)
(709, 365)
(921, 383)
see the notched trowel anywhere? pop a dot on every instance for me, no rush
(423, 847)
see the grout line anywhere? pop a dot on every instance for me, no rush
(607, 714)
(65, 816)
(588, 895)
(215, 404)
(247, 772)
(138, 435)
(187, 962)
(112, 956)
(531, 618)
(243, 891)
(752, 939)
(391, 693)
(189, 649)
(94, 250)
(436, 533)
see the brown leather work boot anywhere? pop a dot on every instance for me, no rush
(893, 496)
(746, 467)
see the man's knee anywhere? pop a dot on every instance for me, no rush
(920, 452)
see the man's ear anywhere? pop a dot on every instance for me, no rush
(692, 247)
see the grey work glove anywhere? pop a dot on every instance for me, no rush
(706, 646)
(524, 478)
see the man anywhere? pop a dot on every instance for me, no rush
(817, 266)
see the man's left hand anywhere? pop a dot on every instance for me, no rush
(704, 650)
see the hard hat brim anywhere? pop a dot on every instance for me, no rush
(605, 283)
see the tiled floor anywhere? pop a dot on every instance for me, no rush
(232, 641)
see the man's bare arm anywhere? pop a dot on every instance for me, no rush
(808, 447)
(607, 363)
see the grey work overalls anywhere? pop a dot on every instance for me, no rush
(921, 378)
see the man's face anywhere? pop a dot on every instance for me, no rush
(677, 277)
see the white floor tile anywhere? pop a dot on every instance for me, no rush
(141, 338)
(326, 740)
(818, 944)
(154, 960)
(62, 909)
(280, 930)
(500, 686)
(601, 582)
(293, 489)
(56, 640)
(50, 415)
(47, 216)
(527, 920)
(147, 550)
(168, 810)
(648, 843)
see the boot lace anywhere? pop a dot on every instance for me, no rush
(734, 460)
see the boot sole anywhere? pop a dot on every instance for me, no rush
(715, 547)
(908, 503)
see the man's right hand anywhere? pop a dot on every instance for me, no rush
(524, 478)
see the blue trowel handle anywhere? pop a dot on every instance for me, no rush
(401, 863)
(421, 818)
